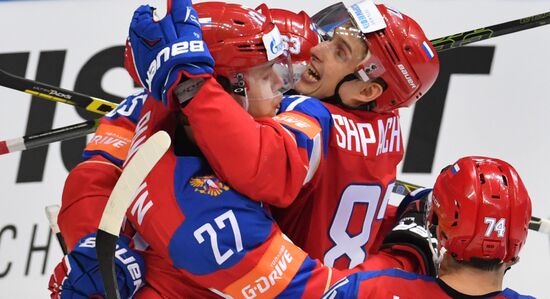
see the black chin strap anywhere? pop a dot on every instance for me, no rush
(335, 99)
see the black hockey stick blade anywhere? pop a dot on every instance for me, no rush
(105, 249)
(47, 137)
(129, 182)
(537, 224)
(57, 94)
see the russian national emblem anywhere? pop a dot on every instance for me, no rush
(210, 185)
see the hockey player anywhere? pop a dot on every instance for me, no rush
(106, 152)
(168, 281)
(262, 240)
(330, 167)
(483, 211)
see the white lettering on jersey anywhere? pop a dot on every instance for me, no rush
(139, 137)
(293, 120)
(114, 141)
(352, 136)
(264, 283)
(390, 136)
(143, 204)
(356, 136)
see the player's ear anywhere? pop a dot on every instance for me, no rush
(357, 92)
(513, 262)
(370, 91)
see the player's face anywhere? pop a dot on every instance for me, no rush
(264, 85)
(330, 62)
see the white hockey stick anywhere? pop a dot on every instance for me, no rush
(111, 221)
(51, 213)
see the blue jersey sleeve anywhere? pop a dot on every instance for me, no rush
(310, 122)
(114, 134)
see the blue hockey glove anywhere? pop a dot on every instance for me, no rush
(78, 276)
(411, 232)
(160, 54)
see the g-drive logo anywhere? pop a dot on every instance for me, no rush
(263, 283)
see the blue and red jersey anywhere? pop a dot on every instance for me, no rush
(328, 171)
(217, 239)
(397, 284)
(189, 233)
(199, 237)
(89, 184)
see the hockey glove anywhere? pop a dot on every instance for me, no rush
(411, 233)
(160, 54)
(78, 276)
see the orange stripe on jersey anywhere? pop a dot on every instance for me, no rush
(275, 270)
(113, 140)
(299, 122)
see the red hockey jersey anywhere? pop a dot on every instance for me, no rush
(332, 170)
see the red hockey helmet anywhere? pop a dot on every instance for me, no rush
(297, 30)
(483, 209)
(299, 33)
(241, 39)
(399, 51)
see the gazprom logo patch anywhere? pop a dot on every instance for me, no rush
(273, 43)
(276, 46)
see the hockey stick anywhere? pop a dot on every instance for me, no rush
(47, 137)
(472, 36)
(440, 44)
(334, 15)
(537, 224)
(57, 94)
(51, 213)
(111, 221)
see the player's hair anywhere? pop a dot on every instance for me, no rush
(488, 265)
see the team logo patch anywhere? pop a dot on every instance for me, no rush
(210, 185)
